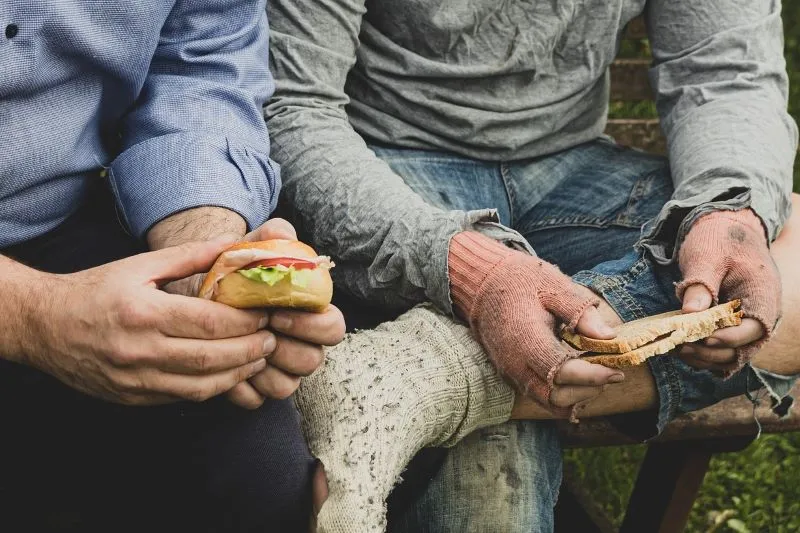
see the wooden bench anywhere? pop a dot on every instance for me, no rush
(676, 462)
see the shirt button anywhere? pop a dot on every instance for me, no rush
(11, 31)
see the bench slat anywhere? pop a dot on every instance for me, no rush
(644, 134)
(629, 81)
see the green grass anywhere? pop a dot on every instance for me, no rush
(755, 490)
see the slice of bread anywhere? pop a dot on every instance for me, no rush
(689, 332)
(639, 333)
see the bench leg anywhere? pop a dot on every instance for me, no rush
(576, 511)
(668, 482)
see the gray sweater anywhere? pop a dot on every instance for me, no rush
(505, 80)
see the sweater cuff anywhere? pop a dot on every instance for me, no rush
(470, 259)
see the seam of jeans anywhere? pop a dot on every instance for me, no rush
(503, 171)
(672, 389)
(428, 159)
(637, 194)
(611, 288)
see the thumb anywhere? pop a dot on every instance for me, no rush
(176, 262)
(274, 228)
(592, 325)
(696, 298)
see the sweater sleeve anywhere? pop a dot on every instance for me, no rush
(390, 246)
(721, 91)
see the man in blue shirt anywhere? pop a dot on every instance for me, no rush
(127, 127)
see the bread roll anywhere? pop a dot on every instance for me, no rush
(225, 284)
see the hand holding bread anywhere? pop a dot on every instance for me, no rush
(513, 302)
(638, 340)
(270, 274)
(725, 256)
(289, 279)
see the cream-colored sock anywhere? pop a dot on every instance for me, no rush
(384, 394)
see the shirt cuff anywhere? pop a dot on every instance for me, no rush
(664, 235)
(171, 173)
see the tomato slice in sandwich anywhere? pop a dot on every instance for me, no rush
(298, 264)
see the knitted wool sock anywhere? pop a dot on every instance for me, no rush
(512, 301)
(384, 394)
(726, 251)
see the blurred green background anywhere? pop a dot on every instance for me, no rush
(756, 490)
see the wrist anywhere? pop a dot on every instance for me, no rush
(196, 224)
(472, 256)
(746, 217)
(21, 310)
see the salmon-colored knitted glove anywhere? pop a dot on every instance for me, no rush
(513, 303)
(727, 252)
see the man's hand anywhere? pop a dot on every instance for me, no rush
(514, 303)
(299, 335)
(111, 333)
(724, 257)
(300, 338)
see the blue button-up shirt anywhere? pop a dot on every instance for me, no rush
(165, 96)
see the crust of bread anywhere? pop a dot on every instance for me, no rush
(690, 332)
(238, 291)
(290, 248)
(638, 333)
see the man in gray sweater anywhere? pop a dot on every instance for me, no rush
(435, 148)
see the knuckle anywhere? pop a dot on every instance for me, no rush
(135, 314)
(199, 394)
(284, 388)
(558, 397)
(124, 356)
(209, 324)
(308, 360)
(202, 361)
(130, 384)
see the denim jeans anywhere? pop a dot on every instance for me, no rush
(582, 209)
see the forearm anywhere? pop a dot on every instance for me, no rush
(721, 91)
(22, 291)
(638, 392)
(198, 224)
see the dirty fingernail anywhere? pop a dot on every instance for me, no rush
(257, 367)
(269, 344)
(280, 321)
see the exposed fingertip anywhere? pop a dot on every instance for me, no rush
(616, 378)
(711, 341)
(257, 366)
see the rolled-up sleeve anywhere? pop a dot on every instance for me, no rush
(196, 135)
(721, 86)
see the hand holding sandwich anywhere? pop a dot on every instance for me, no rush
(725, 256)
(270, 268)
(513, 303)
(111, 333)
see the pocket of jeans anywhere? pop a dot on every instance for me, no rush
(622, 189)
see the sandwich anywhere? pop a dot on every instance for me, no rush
(638, 340)
(273, 273)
